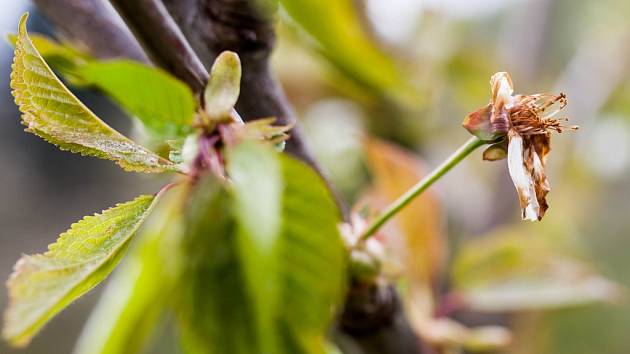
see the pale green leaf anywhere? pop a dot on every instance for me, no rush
(44, 284)
(52, 112)
(255, 172)
(542, 293)
(512, 271)
(164, 105)
(61, 56)
(341, 36)
(141, 288)
(223, 86)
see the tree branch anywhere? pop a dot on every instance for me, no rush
(95, 25)
(374, 321)
(163, 41)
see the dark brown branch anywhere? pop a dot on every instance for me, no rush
(94, 25)
(374, 321)
(163, 40)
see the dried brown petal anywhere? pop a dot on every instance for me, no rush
(542, 145)
(535, 166)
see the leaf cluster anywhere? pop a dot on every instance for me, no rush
(242, 248)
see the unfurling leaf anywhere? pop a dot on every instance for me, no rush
(164, 105)
(52, 112)
(44, 284)
(142, 287)
(223, 86)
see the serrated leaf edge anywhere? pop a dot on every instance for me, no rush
(19, 92)
(23, 338)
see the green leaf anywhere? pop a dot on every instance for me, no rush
(223, 86)
(164, 105)
(44, 284)
(52, 112)
(219, 314)
(256, 176)
(141, 288)
(62, 56)
(341, 36)
(213, 311)
(313, 256)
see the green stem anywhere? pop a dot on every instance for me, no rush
(471, 145)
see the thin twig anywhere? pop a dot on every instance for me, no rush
(469, 146)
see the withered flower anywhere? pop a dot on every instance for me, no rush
(520, 127)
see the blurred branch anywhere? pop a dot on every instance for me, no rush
(93, 24)
(373, 322)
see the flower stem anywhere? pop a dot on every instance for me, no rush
(469, 146)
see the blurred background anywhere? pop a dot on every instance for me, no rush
(408, 71)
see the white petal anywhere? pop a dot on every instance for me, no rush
(521, 179)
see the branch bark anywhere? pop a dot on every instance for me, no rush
(373, 322)
(163, 41)
(94, 25)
